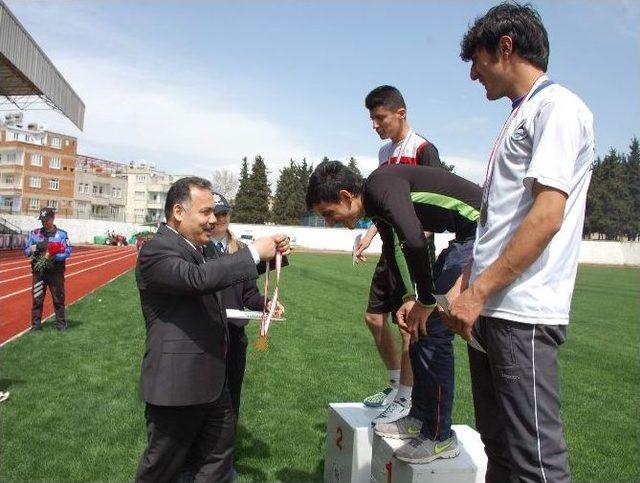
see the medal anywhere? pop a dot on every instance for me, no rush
(262, 343)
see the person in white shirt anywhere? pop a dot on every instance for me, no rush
(388, 114)
(515, 298)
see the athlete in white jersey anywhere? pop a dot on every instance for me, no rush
(388, 113)
(516, 302)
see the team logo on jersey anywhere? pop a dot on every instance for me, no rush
(520, 132)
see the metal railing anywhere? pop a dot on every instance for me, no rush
(9, 228)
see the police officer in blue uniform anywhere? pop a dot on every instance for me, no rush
(52, 243)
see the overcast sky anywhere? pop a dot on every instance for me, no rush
(194, 86)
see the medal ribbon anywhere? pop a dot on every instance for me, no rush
(265, 321)
(402, 147)
(540, 83)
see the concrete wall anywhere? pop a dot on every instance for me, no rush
(341, 239)
(80, 231)
(330, 239)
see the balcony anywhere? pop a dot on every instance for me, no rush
(158, 187)
(155, 205)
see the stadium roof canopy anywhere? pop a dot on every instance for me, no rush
(28, 79)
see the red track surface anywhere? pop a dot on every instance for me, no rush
(87, 269)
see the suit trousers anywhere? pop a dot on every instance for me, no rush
(199, 438)
(236, 364)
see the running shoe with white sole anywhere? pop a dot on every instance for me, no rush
(396, 410)
(382, 398)
(421, 450)
(404, 428)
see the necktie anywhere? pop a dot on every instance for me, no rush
(220, 248)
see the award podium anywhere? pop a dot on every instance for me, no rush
(354, 454)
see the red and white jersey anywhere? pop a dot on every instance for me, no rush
(411, 150)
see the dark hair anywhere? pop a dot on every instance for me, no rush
(520, 22)
(180, 192)
(387, 96)
(328, 179)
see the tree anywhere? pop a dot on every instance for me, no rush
(448, 167)
(288, 203)
(260, 193)
(225, 182)
(289, 206)
(353, 166)
(243, 199)
(608, 202)
(632, 177)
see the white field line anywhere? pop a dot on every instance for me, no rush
(28, 289)
(53, 313)
(25, 261)
(68, 265)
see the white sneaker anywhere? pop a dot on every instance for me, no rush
(396, 410)
(382, 398)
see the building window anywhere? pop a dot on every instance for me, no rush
(55, 142)
(52, 204)
(114, 210)
(11, 158)
(83, 188)
(16, 136)
(80, 208)
(98, 190)
(35, 181)
(8, 202)
(34, 203)
(36, 160)
(54, 163)
(116, 192)
(141, 178)
(54, 184)
(140, 195)
(8, 180)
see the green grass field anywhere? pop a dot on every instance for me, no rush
(74, 411)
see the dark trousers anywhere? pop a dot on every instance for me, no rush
(198, 439)
(55, 281)
(432, 358)
(517, 401)
(236, 364)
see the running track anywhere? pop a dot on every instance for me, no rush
(88, 268)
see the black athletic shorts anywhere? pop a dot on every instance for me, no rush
(387, 289)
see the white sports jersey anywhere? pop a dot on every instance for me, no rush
(407, 151)
(551, 140)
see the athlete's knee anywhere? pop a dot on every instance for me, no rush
(375, 323)
(406, 340)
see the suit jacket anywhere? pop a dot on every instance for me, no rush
(238, 296)
(184, 361)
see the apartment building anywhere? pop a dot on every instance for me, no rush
(37, 168)
(147, 192)
(100, 189)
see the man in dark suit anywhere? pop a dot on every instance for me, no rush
(190, 421)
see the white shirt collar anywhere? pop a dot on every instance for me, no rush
(176, 232)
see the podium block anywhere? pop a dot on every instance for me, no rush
(348, 446)
(468, 467)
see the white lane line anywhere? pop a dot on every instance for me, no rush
(25, 261)
(50, 316)
(68, 265)
(69, 275)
